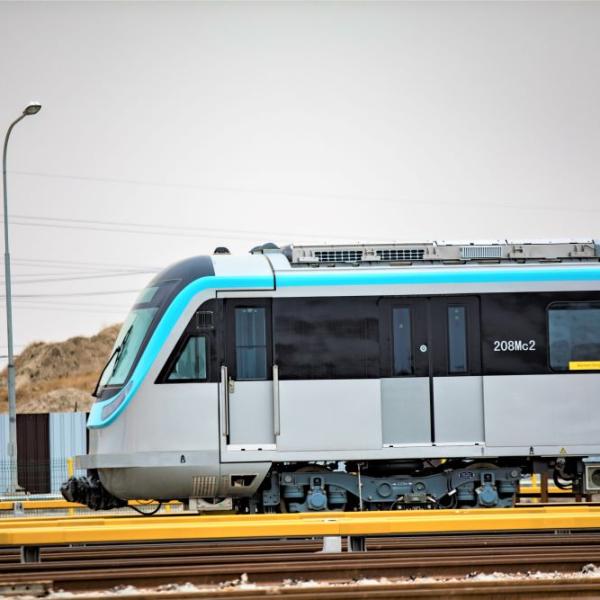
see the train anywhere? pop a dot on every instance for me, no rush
(352, 377)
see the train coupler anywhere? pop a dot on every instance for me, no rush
(90, 491)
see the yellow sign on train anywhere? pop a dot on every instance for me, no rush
(584, 365)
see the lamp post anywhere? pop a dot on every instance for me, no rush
(30, 109)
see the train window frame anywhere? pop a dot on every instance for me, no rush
(324, 349)
(565, 305)
(237, 346)
(155, 301)
(465, 332)
(411, 372)
(179, 355)
(166, 371)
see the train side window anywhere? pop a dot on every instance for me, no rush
(401, 323)
(191, 362)
(574, 336)
(251, 343)
(457, 339)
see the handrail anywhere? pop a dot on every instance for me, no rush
(224, 397)
(276, 417)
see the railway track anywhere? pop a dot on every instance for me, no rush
(399, 559)
(518, 589)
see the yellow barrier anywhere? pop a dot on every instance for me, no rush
(60, 504)
(65, 530)
(537, 489)
(70, 473)
(70, 469)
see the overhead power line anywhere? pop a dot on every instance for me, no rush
(76, 264)
(46, 302)
(69, 294)
(164, 230)
(47, 276)
(315, 196)
(82, 277)
(69, 309)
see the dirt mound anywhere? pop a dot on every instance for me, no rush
(59, 376)
(63, 400)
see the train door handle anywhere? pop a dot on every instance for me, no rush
(276, 419)
(225, 401)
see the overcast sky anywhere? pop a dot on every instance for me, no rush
(168, 129)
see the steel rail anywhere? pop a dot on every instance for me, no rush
(439, 558)
(515, 590)
(320, 570)
(228, 548)
(466, 556)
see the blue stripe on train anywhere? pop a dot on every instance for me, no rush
(445, 275)
(438, 276)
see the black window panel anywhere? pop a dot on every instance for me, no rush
(402, 337)
(457, 339)
(573, 334)
(400, 346)
(327, 338)
(454, 336)
(251, 343)
(190, 365)
(193, 330)
(515, 317)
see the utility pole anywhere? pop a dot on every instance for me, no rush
(31, 109)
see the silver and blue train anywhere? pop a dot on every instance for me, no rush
(359, 377)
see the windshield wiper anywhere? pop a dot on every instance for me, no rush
(116, 352)
(120, 348)
(95, 392)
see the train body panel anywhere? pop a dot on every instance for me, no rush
(254, 362)
(559, 414)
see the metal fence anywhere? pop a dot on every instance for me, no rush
(45, 443)
(37, 477)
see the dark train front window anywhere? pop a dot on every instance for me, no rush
(127, 345)
(191, 363)
(574, 336)
(133, 332)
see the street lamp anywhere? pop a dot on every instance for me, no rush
(30, 109)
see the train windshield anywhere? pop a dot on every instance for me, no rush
(127, 345)
(133, 333)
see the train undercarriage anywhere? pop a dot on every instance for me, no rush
(390, 485)
(401, 485)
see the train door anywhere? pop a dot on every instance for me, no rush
(455, 367)
(249, 373)
(405, 396)
(435, 392)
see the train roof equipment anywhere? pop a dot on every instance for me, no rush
(402, 254)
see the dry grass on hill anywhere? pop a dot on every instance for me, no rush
(59, 376)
